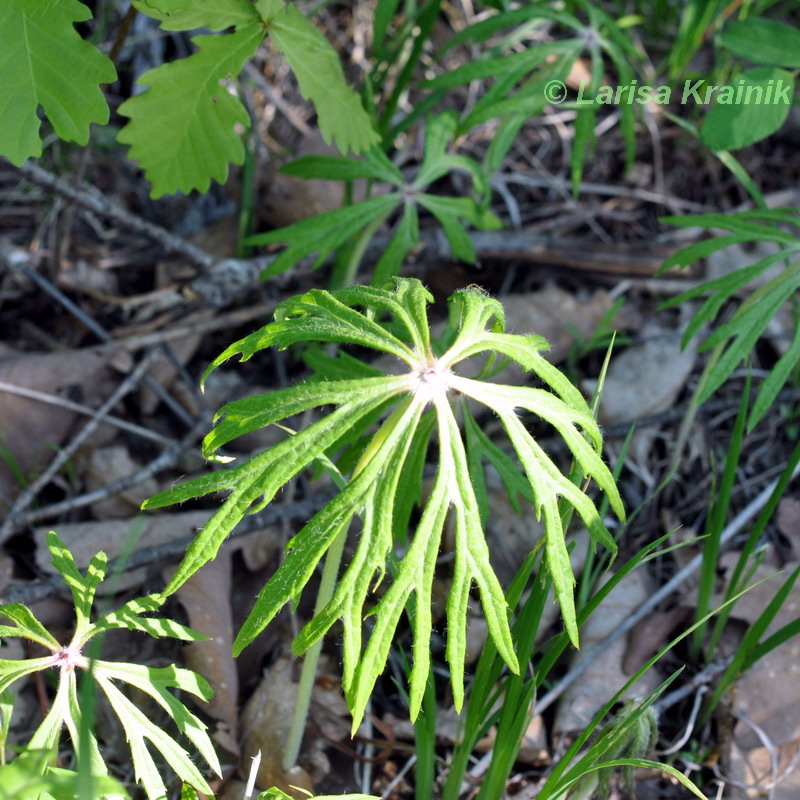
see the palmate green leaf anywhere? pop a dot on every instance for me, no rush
(517, 63)
(331, 230)
(405, 238)
(130, 616)
(12, 671)
(320, 316)
(746, 327)
(745, 222)
(216, 15)
(44, 62)
(479, 448)
(472, 560)
(30, 775)
(242, 416)
(138, 730)
(187, 99)
(376, 166)
(83, 588)
(775, 381)
(735, 339)
(155, 683)
(264, 474)
(323, 233)
(25, 625)
(486, 28)
(65, 710)
(373, 549)
(378, 491)
(320, 75)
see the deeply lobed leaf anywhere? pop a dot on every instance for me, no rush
(65, 709)
(187, 99)
(394, 320)
(44, 62)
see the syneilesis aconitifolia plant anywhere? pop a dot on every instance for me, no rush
(409, 411)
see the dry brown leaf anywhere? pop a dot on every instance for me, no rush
(646, 378)
(649, 636)
(788, 522)
(753, 770)
(84, 539)
(30, 429)
(265, 726)
(605, 676)
(553, 313)
(768, 694)
(164, 371)
(206, 599)
(267, 717)
(287, 199)
(108, 464)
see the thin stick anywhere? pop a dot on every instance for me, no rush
(93, 200)
(79, 408)
(166, 459)
(103, 335)
(159, 554)
(65, 453)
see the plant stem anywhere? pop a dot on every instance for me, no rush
(309, 670)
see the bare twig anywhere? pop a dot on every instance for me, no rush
(223, 280)
(79, 408)
(169, 551)
(164, 460)
(101, 334)
(88, 197)
(65, 453)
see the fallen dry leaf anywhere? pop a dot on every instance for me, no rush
(165, 370)
(265, 726)
(206, 599)
(108, 464)
(605, 676)
(287, 199)
(555, 314)
(84, 539)
(758, 775)
(768, 694)
(30, 429)
(788, 522)
(646, 378)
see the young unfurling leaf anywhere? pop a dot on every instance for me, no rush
(65, 709)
